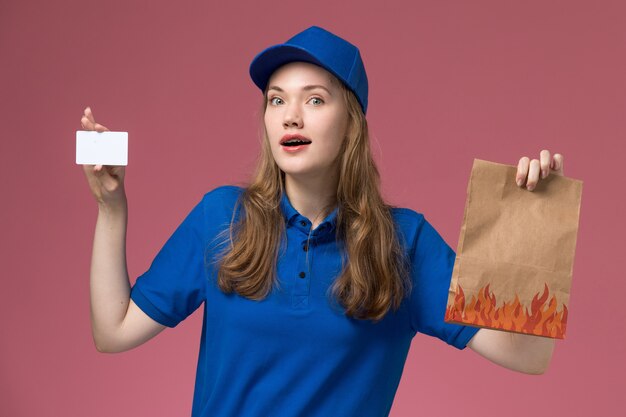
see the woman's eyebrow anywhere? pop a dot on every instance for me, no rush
(305, 88)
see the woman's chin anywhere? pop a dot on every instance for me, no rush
(301, 172)
(297, 173)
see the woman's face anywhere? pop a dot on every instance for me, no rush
(304, 99)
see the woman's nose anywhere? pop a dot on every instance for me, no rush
(292, 117)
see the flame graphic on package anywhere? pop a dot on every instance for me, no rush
(542, 320)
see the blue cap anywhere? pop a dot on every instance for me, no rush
(320, 47)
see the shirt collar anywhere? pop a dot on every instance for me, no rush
(294, 218)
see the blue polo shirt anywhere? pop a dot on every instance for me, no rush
(295, 353)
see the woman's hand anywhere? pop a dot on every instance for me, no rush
(530, 171)
(106, 182)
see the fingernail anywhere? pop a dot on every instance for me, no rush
(519, 182)
(543, 173)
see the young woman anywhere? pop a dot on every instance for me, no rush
(313, 287)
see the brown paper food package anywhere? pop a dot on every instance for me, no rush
(514, 260)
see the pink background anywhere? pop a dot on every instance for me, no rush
(449, 82)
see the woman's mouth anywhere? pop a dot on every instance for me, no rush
(294, 147)
(294, 142)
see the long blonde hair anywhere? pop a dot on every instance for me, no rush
(375, 271)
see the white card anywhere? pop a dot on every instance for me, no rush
(101, 148)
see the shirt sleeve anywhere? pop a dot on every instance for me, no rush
(175, 284)
(432, 263)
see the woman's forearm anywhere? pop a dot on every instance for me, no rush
(109, 283)
(519, 352)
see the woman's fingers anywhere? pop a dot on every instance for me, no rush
(89, 123)
(106, 182)
(89, 115)
(544, 163)
(100, 128)
(557, 164)
(529, 172)
(522, 170)
(112, 178)
(85, 123)
(117, 172)
(533, 174)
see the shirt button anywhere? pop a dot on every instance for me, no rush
(302, 274)
(303, 223)
(305, 247)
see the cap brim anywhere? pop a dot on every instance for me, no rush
(270, 59)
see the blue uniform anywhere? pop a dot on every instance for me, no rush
(295, 353)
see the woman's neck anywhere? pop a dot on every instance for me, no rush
(309, 196)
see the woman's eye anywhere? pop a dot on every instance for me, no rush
(278, 100)
(274, 98)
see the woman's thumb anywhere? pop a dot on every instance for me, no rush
(103, 175)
